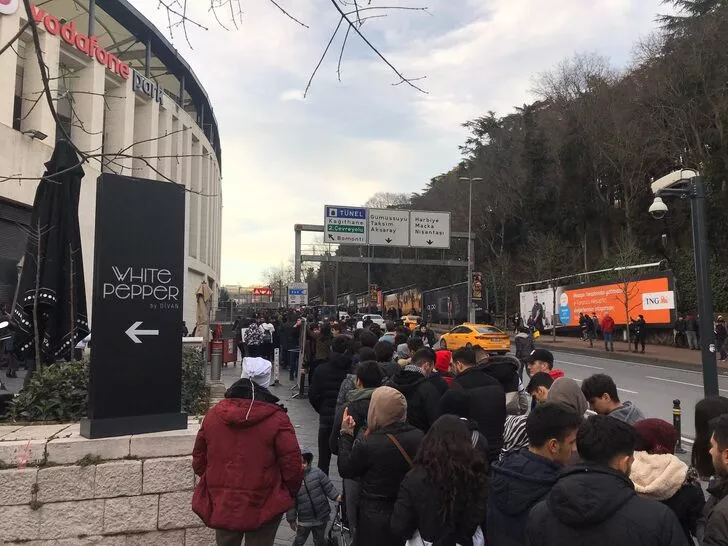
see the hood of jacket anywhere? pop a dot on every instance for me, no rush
(407, 381)
(403, 351)
(657, 477)
(244, 412)
(556, 374)
(340, 362)
(520, 480)
(586, 495)
(475, 377)
(566, 391)
(359, 394)
(505, 372)
(627, 413)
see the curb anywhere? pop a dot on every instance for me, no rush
(631, 358)
(621, 356)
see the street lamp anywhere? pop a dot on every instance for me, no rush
(689, 184)
(471, 308)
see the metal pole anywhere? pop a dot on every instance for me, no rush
(705, 296)
(471, 309)
(297, 253)
(677, 423)
(336, 288)
(148, 58)
(91, 17)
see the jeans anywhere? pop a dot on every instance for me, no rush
(608, 343)
(692, 338)
(293, 364)
(637, 341)
(324, 453)
(263, 536)
(721, 349)
(319, 535)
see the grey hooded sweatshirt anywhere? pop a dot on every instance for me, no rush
(628, 413)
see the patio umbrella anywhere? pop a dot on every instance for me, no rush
(204, 298)
(53, 265)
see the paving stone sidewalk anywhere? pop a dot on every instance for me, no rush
(305, 421)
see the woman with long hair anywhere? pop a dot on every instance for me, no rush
(705, 411)
(443, 498)
(379, 458)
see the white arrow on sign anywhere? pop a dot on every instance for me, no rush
(133, 332)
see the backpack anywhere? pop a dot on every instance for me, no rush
(254, 335)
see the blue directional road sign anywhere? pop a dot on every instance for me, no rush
(345, 225)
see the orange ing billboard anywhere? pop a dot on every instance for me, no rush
(652, 298)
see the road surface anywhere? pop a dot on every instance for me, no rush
(651, 388)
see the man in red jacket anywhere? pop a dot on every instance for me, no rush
(249, 463)
(608, 330)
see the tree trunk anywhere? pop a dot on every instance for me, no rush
(604, 239)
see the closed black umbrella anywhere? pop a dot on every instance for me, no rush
(53, 265)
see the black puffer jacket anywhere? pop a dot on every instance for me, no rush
(518, 483)
(487, 405)
(716, 515)
(418, 508)
(596, 506)
(423, 398)
(380, 468)
(325, 386)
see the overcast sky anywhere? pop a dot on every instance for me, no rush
(285, 157)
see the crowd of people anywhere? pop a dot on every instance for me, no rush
(463, 447)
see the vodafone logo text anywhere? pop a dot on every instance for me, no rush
(8, 7)
(85, 44)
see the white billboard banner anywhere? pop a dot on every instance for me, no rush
(345, 225)
(429, 229)
(658, 300)
(389, 227)
(540, 303)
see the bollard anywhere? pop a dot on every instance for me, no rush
(216, 348)
(276, 366)
(677, 423)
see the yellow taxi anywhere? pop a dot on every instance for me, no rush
(488, 337)
(411, 322)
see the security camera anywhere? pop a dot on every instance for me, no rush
(658, 209)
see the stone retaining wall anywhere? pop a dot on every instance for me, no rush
(61, 489)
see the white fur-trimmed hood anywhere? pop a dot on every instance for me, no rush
(657, 477)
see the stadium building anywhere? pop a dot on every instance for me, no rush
(123, 94)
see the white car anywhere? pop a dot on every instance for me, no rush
(376, 319)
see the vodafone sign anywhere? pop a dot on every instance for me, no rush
(8, 7)
(85, 44)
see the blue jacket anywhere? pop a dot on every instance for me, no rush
(311, 506)
(518, 483)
